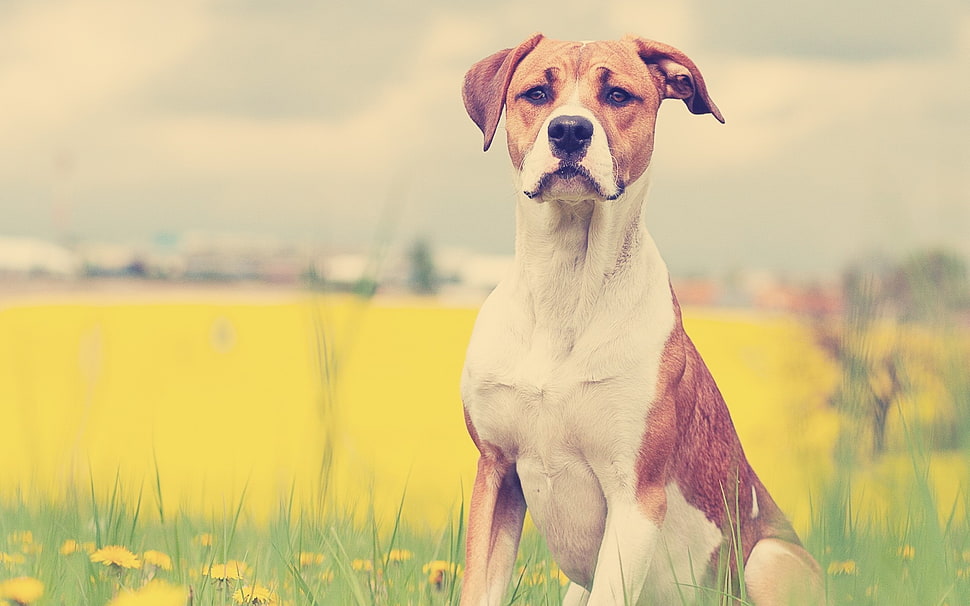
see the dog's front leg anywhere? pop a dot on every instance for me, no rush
(494, 528)
(630, 541)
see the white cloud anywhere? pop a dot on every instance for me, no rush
(777, 105)
(62, 60)
(671, 22)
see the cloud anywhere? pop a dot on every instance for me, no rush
(860, 30)
(672, 22)
(61, 60)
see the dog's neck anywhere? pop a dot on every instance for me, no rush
(569, 254)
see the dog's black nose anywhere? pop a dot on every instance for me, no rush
(569, 134)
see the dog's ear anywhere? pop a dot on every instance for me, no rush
(487, 83)
(680, 78)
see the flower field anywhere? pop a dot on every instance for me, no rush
(296, 449)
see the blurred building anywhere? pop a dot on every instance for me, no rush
(32, 257)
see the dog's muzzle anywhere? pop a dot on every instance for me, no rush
(570, 161)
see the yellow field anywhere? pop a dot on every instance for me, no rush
(228, 395)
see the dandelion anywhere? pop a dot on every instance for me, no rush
(203, 540)
(559, 575)
(399, 555)
(362, 565)
(906, 552)
(10, 559)
(26, 540)
(116, 556)
(155, 593)
(309, 559)
(157, 559)
(25, 537)
(848, 567)
(22, 591)
(254, 594)
(438, 572)
(71, 546)
(233, 570)
(327, 577)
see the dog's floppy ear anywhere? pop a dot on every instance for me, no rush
(487, 83)
(681, 78)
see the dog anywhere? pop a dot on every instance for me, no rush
(586, 399)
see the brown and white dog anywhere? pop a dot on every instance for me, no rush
(588, 402)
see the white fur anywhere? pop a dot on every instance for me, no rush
(782, 573)
(687, 542)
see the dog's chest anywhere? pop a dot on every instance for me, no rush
(535, 398)
(573, 420)
(537, 386)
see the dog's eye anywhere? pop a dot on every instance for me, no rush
(536, 96)
(618, 97)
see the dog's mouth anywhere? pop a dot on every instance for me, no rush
(572, 180)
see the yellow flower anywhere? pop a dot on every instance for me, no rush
(362, 565)
(26, 540)
(847, 567)
(155, 593)
(71, 546)
(21, 536)
(399, 555)
(437, 570)
(309, 559)
(327, 577)
(204, 539)
(254, 594)
(906, 552)
(11, 558)
(22, 590)
(117, 556)
(537, 574)
(157, 559)
(559, 575)
(233, 570)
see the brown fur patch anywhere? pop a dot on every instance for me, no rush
(691, 439)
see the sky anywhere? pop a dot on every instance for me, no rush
(341, 124)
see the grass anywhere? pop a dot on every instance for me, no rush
(309, 554)
(298, 557)
(296, 417)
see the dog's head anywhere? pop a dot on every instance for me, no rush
(580, 116)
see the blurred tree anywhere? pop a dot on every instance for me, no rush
(899, 337)
(423, 278)
(930, 287)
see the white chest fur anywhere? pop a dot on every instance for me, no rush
(568, 403)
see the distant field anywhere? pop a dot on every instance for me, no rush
(226, 394)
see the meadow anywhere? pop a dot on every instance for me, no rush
(290, 448)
